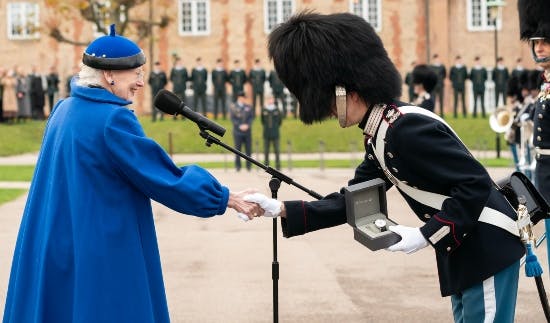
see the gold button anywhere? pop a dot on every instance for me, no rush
(427, 216)
(540, 116)
(395, 170)
(539, 138)
(448, 248)
(370, 157)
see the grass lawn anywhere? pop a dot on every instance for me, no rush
(183, 136)
(7, 195)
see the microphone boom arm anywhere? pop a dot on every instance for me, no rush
(268, 169)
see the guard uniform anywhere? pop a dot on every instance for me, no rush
(219, 78)
(478, 76)
(240, 114)
(179, 78)
(199, 76)
(278, 91)
(467, 251)
(257, 79)
(237, 78)
(458, 76)
(271, 121)
(500, 77)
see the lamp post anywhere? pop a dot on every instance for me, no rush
(494, 8)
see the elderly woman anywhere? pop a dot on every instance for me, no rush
(87, 248)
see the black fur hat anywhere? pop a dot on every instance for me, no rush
(423, 74)
(534, 21)
(313, 53)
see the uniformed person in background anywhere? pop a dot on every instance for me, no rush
(438, 92)
(424, 80)
(478, 76)
(458, 76)
(237, 78)
(219, 79)
(519, 71)
(408, 81)
(278, 91)
(271, 122)
(256, 77)
(199, 76)
(241, 117)
(350, 76)
(157, 81)
(535, 28)
(179, 78)
(500, 77)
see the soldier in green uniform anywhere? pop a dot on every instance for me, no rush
(438, 92)
(157, 81)
(179, 78)
(278, 91)
(458, 75)
(271, 122)
(256, 77)
(237, 78)
(219, 78)
(478, 76)
(500, 77)
(199, 75)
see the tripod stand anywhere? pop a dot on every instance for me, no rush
(274, 184)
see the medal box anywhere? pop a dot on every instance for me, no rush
(367, 213)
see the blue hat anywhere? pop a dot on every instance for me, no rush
(113, 52)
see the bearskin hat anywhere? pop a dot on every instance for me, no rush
(423, 74)
(113, 52)
(312, 53)
(534, 19)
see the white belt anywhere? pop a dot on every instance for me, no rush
(540, 151)
(435, 200)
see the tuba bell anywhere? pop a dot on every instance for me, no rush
(501, 120)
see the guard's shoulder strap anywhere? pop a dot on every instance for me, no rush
(433, 200)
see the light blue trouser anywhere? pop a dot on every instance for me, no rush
(493, 300)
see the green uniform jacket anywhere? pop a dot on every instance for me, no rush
(199, 77)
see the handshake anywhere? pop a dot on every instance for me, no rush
(250, 205)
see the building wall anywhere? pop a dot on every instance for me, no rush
(412, 30)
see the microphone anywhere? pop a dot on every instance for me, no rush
(169, 103)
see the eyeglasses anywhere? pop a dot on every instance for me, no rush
(140, 74)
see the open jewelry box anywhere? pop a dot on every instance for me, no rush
(366, 212)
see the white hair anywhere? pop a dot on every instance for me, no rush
(89, 76)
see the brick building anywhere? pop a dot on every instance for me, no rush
(412, 30)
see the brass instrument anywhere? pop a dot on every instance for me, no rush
(501, 119)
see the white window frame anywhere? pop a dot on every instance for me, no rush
(29, 14)
(366, 6)
(194, 18)
(279, 14)
(486, 23)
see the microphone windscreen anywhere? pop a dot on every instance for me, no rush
(167, 102)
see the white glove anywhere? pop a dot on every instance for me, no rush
(412, 239)
(271, 207)
(242, 216)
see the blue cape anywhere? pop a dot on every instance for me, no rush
(87, 248)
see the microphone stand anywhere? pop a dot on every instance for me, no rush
(274, 184)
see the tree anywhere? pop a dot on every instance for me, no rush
(101, 13)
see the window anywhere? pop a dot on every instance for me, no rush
(370, 10)
(194, 17)
(276, 12)
(479, 16)
(23, 20)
